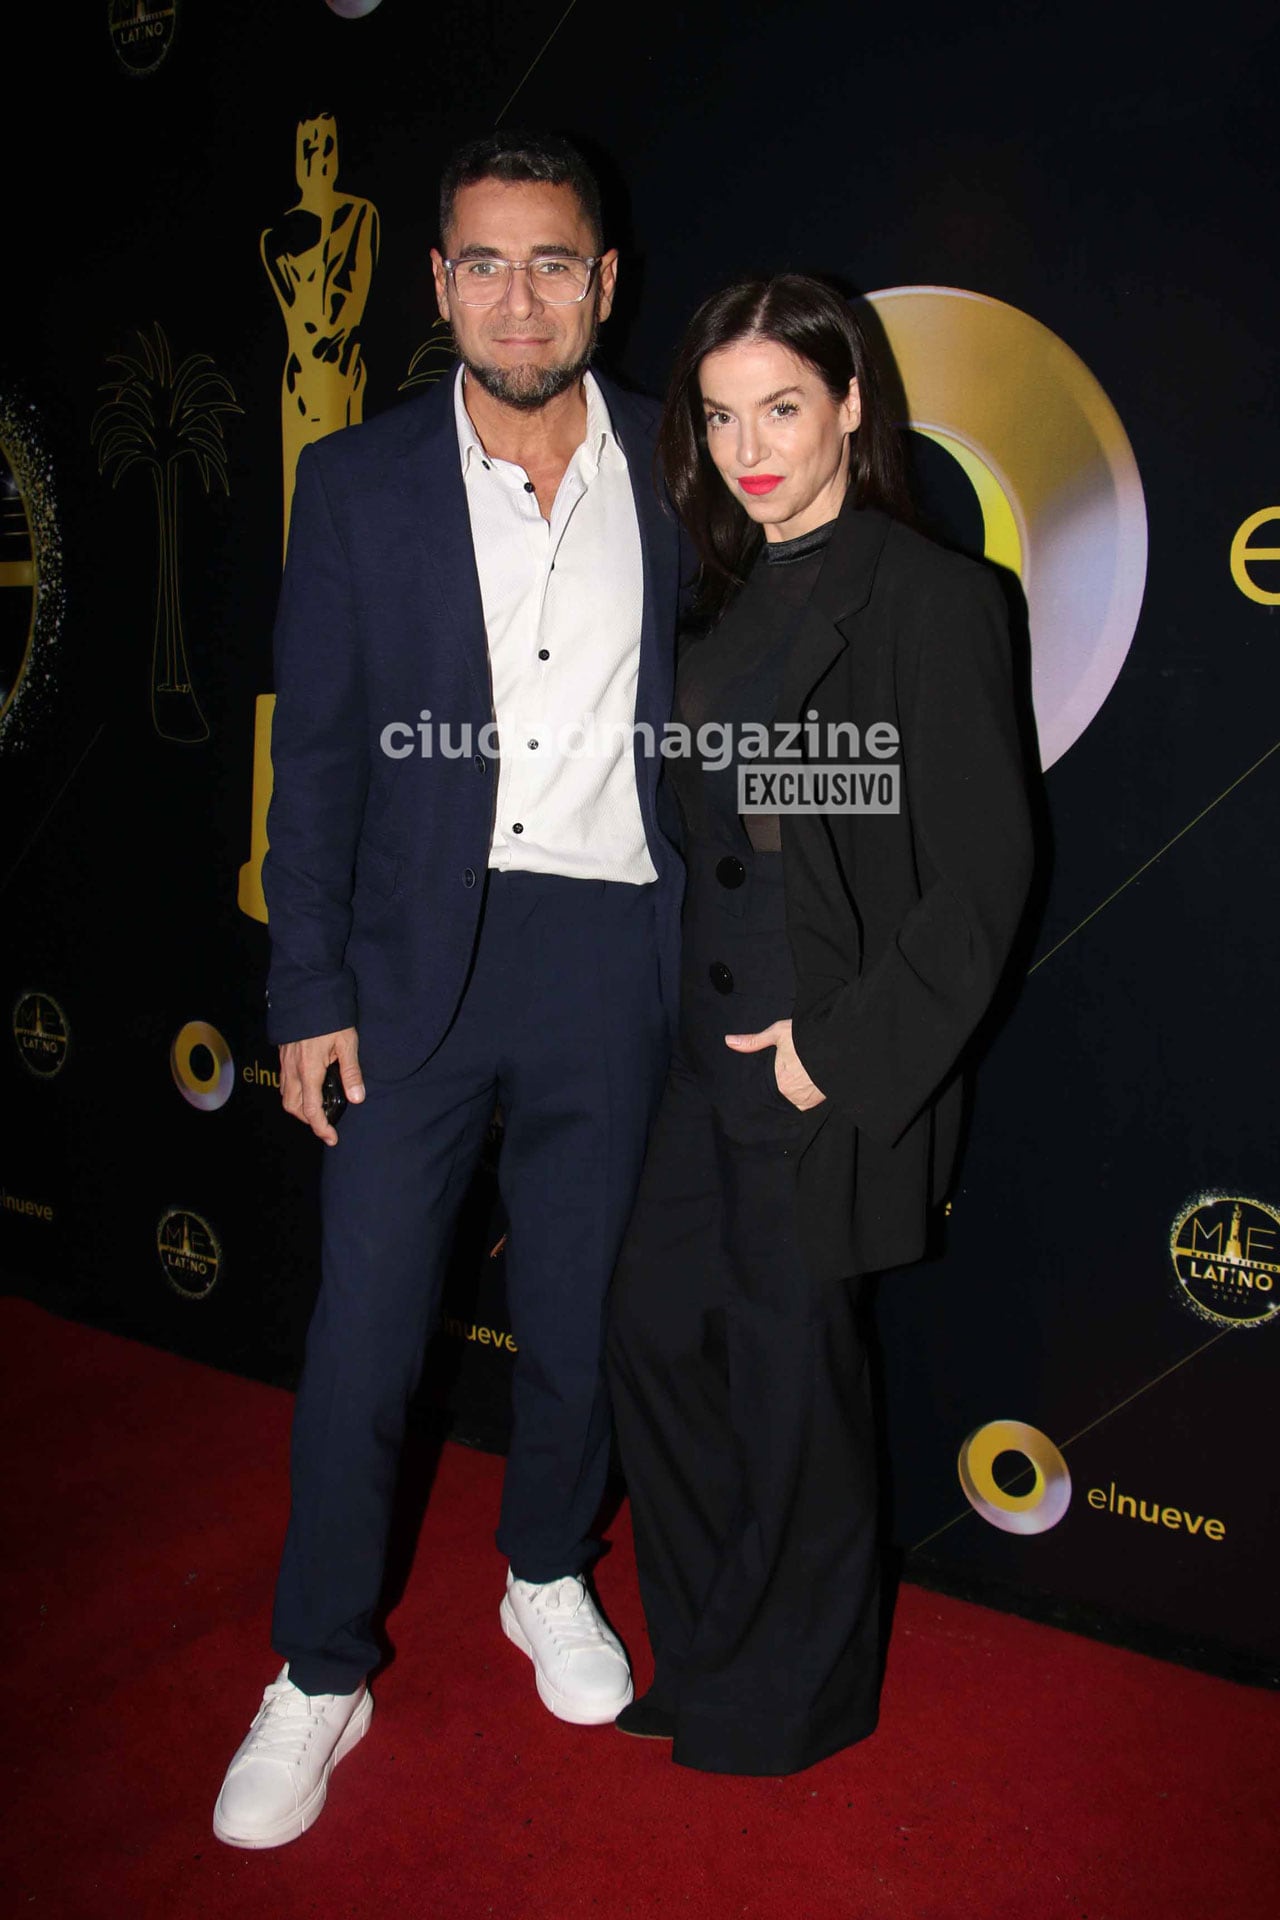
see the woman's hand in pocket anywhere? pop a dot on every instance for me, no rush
(794, 1083)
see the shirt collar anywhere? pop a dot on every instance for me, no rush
(600, 431)
(469, 447)
(599, 436)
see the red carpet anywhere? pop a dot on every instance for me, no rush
(1020, 1773)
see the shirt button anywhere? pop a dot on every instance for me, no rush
(730, 872)
(543, 654)
(517, 827)
(480, 763)
(533, 745)
(468, 876)
(721, 978)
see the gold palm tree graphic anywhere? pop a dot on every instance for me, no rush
(157, 416)
(436, 356)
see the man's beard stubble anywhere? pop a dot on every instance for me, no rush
(528, 388)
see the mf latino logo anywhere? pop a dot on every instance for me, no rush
(141, 32)
(189, 1252)
(1226, 1258)
(41, 1034)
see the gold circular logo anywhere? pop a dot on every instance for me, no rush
(189, 1252)
(42, 1034)
(141, 32)
(1226, 1255)
(1051, 465)
(203, 1071)
(1044, 1503)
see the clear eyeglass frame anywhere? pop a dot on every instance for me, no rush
(548, 289)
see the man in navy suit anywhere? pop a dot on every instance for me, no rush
(471, 901)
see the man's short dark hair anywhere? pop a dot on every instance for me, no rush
(545, 158)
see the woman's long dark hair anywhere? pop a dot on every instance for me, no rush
(812, 320)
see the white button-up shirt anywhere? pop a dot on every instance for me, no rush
(562, 608)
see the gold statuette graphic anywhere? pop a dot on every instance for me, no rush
(1044, 1502)
(1050, 462)
(158, 417)
(320, 258)
(1226, 1256)
(189, 1252)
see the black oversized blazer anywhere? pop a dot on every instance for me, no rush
(900, 924)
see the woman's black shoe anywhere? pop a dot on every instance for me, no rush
(647, 1719)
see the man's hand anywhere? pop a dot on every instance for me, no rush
(302, 1069)
(794, 1083)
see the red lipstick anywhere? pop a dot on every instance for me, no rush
(759, 482)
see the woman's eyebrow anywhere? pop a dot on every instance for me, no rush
(767, 400)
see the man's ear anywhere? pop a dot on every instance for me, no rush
(606, 281)
(441, 279)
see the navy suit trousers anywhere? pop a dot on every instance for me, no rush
(562, 1024)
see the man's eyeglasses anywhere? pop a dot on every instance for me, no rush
(560, 279)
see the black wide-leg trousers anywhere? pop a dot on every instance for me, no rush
(560, 1022)
(740, 1394)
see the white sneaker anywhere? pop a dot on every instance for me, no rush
(279, 1775)
(582, 1673)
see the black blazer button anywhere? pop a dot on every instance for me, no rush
(721, 978)
(468, 876)
(730, 872)
(480, 763)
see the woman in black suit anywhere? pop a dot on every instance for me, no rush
(836, 965)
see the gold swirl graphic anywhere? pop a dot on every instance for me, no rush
(1032, 1512)
(1051, 464)
(205, 1090)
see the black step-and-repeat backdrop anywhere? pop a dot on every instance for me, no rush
(217, 251)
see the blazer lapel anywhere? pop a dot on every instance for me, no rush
(842, 588)
(658, 550)
(433, 500)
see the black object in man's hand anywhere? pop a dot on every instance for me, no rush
(332, 1096)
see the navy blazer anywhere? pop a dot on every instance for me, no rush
(376, 865)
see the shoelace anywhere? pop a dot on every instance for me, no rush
(577, 1627)
(286, 1723)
